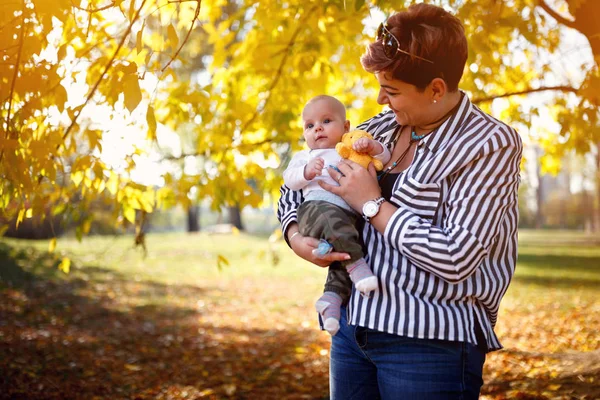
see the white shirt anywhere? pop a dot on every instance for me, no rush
(293, 176)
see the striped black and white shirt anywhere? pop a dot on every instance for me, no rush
(449, 252)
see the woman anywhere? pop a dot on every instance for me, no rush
(442, 223)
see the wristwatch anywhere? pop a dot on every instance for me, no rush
(371, 208)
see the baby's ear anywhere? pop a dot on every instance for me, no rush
(347, 126)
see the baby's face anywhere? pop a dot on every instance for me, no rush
(323, 125)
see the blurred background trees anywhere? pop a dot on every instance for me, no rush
(112, 111)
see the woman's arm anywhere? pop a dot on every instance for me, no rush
(288, 204)
(476, 204)
(303, 246)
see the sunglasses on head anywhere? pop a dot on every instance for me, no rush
(391, 45)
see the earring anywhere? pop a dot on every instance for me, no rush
(435, 101)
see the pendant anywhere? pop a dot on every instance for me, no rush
(415, 137)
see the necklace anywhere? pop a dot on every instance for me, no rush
(414, 137)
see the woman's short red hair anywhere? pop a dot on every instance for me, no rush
(426, 31)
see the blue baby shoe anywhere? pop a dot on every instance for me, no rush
(323, 248)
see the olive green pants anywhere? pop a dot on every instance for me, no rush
(323, 220)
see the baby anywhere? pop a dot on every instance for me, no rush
(324, 215)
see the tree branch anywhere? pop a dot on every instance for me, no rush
(242, 146)
(559, 18)
(106, 68)
(16, 74)
(196, 14)
(93, 10)
(289, 46)
(9, 22)
(566, 89)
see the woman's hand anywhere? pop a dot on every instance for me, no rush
(357, 185)
(304, 245)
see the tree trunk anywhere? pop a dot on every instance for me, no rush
(235, 217)
(193, 218)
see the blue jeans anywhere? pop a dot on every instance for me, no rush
(367, 364)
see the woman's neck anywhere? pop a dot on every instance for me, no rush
(445, 110)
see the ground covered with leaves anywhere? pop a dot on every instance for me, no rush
(172, 325)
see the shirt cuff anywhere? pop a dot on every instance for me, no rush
(384, 156)
(397, 226)
(288, 219)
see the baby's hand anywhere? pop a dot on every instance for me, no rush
(313, 168)
(364, 145)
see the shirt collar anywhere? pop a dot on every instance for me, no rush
(440, 135)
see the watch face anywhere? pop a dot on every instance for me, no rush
(370, 209)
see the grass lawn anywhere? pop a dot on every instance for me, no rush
(175, 325)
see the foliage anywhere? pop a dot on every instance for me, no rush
(521, 57)
(51, 145)
(171, 326)
(229, 78)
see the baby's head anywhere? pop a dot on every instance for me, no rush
(324, 121)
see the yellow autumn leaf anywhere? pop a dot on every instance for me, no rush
(86, 226)
(52, 245)
(138, 40)
(9, 144)
(65, 265)
(221, 261)
(151, 121)
(133, 367)
(20, 216)
(61, 97)
(129, 213)
(131, 91)
(172, 35)
(113, 183)
(554, 387)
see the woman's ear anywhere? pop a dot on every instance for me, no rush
(438, 89)
(347, 126)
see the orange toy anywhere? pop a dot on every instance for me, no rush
(344, 149)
